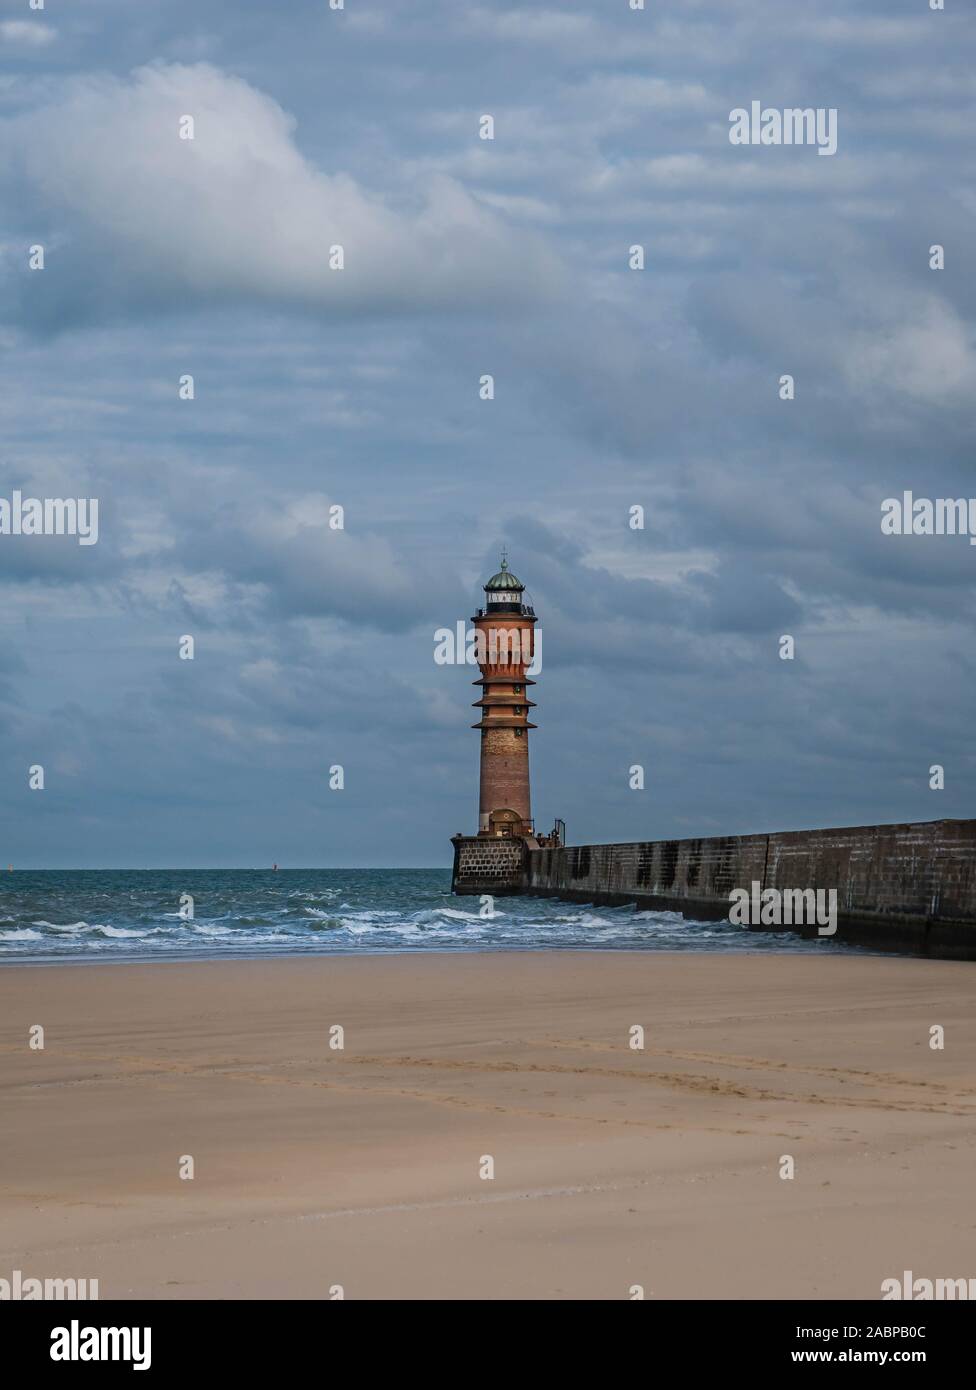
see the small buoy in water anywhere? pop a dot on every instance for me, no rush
(275, 867)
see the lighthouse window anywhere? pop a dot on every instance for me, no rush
(519, 733)
(517, 710)
(517, 689)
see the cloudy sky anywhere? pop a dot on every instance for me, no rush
(613, 388)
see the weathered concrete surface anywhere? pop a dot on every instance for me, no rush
(906, 887)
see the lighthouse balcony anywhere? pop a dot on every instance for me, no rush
(517, 724)
(520, 679)
(504, 702)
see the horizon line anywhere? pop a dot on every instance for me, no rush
(226, 868)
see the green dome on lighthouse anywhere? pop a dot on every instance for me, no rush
(504, 580)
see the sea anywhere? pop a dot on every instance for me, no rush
(55, 916)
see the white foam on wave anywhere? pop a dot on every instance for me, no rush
(21, 934)
(585, 919)
(64, 926)
(447, 933)
(456, 915)
(400, 928)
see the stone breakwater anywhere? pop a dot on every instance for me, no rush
(908, 887)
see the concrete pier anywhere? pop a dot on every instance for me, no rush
(908, 887)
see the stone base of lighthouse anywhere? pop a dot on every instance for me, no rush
(487, 865)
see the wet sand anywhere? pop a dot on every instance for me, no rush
(613, 1167)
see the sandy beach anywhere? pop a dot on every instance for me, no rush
(613, 1167)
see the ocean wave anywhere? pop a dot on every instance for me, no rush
(130, 915)
(585, 919)
(436, 915)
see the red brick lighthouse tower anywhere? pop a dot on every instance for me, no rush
(505, 638)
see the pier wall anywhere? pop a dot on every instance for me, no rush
(909, 886)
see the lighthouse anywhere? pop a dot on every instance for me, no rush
(507, 647)
(504, 648)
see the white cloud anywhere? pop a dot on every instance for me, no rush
(636, 94)
(28, 32)
(238, 212)
(929, 357)
(531, 26)
(868, 29)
